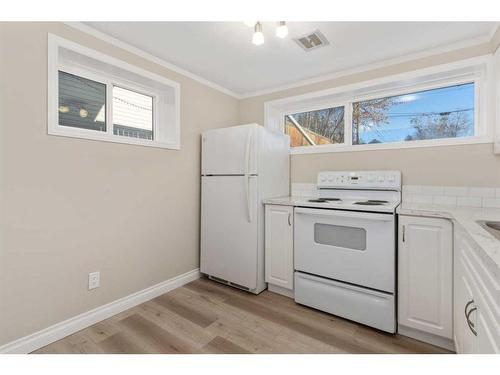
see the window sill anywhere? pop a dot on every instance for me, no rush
(105, 137)
(388, 146)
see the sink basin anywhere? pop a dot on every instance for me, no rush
(491, 226)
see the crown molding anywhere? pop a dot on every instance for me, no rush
(376, 65)
(145, 55)
(326, 77)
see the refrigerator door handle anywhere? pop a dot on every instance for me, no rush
(247, 154)
(247, 193)
(247, 176)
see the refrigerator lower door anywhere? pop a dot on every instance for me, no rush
(229, 223)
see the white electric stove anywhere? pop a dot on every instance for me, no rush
(345, 246)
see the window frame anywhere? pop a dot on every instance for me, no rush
(475, 70)
(55, 65)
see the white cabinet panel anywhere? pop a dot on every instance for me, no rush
(279, 245)
(486, 343)
(497, 101)
(425, 284)
(464, 302)
(476, 325)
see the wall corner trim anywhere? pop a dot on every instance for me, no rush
(67, 327)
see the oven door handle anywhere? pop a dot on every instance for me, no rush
(349, 214)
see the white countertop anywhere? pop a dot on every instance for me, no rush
(344, 204)
(463, 217)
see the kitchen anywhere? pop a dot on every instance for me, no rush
(330, 199)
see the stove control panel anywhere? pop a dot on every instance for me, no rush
(376, 180)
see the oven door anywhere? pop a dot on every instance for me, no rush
(348, 246)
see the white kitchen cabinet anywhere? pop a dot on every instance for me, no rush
(425, 279)
(477, 326)
(279, 246)
(464, 300)
(497, 101)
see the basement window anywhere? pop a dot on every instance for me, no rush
(94, 96)
(438, 106)
(445, 112)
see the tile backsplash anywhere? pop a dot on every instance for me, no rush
(442, 195)
(452, 195)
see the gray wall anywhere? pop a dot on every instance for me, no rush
(72, 206)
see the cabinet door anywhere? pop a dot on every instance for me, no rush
(279, 245)
(425, 279)
(481, 333)
(464, 297)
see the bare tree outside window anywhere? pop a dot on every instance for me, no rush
(369, 115)
(446, 112)
(324, 126)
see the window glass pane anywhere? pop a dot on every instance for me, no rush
(132, 114)
(82, 102)
(324, 126)
(439, 113)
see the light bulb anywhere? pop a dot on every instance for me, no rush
(63, 109)
(249, 23)
(281, 29)
(258, 36)
(83, 112)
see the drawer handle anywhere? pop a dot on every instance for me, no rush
(290, 219)
(467, 316)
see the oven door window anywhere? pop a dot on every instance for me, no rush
(340, 236)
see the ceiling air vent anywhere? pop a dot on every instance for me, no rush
(312, 41)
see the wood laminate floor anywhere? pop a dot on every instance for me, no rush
(206, 317)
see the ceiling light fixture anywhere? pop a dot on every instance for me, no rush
(258, 36)
(281, 30)
(63, 109)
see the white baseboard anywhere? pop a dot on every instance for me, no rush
(429, 338)
(60, 330)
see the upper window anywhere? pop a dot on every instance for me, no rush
(97, 97)
(446, 112)
(443, 105)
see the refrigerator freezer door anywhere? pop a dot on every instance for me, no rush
(229, 223)
(230, 151)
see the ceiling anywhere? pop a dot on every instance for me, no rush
(222, 52)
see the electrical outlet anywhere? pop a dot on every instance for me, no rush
(94, 280)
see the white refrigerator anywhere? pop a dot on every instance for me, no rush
(240, 166)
